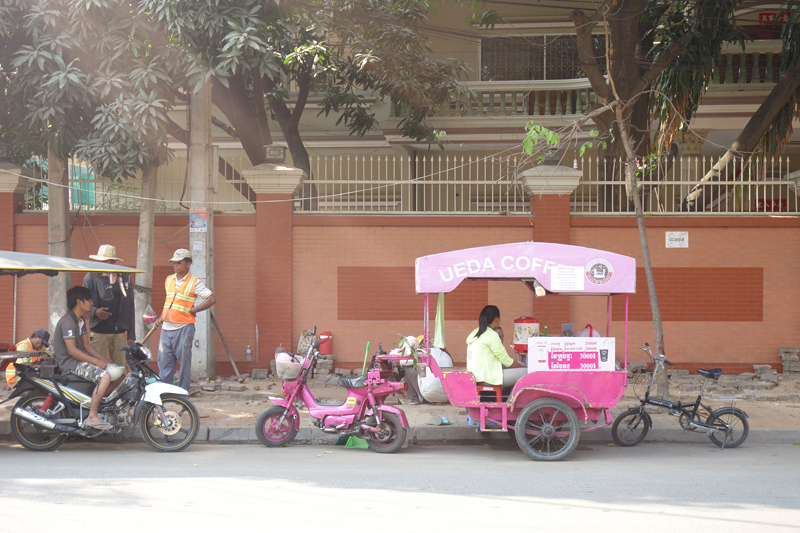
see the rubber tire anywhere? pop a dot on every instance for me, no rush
(646, 422)
(393, 422)
(738, 413)
(191, 434)
(547, 403)
(276, 411)
(52, 444)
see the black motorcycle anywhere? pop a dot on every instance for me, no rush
(54, 406)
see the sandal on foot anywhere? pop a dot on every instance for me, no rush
(102, 426)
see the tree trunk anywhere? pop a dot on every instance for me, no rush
(58, 232)
(144, 253)
(753, 132)
(662, 384)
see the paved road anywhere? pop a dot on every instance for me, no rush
(652, 487)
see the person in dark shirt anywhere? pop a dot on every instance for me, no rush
(75, 354)
(111, 319)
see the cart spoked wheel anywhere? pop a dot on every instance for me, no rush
(547, 430)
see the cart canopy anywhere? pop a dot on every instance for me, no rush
(20, 264)
(559, 268)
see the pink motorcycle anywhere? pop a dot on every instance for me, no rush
(363, 414)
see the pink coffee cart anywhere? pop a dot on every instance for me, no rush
(570, 380)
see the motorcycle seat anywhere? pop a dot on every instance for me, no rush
(352, 382)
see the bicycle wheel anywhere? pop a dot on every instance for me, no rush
(730, 424)
(630, 428)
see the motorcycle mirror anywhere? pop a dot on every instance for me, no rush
(316, 344)
(314, 331)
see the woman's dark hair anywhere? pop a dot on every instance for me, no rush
(78, 292)
(488, 314)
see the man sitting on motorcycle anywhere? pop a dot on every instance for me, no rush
(75, 354)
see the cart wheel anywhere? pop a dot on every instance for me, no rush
(547, 430)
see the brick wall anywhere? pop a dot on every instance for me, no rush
(702, 294)
(235, 264)
(322, 247)
(8, 204)
(363, 293)
(751, 245)
(551, 224)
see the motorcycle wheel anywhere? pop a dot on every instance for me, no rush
(28, 434)
(391, 436)
(270, 433)
(183, 422)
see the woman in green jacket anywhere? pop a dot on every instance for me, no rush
(486, 355)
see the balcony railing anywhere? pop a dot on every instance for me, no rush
(520, 98)
(758, 64)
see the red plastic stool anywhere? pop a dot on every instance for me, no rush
(490, 393)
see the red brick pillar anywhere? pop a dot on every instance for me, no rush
(12, 190)
(274, 186)
(549, 188)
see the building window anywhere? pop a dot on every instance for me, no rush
(542, 57)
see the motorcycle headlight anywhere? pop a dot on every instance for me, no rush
(146, 352)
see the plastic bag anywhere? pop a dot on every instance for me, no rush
(149, 317)
(431, 387)
(588, 331)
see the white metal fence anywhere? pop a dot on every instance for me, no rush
(466, 184)
(90, 193)
(399, 184)
(748, 186)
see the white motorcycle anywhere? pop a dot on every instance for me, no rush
(53, 406)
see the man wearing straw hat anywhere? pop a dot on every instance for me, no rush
(112, 318)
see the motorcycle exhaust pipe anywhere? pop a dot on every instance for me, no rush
(43, 422)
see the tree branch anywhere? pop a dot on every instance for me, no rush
(583, 29)
(260, 106)
(657, 68)
(303, 86)
(224, 127)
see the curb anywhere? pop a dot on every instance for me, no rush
(467, 435)
(433, 435)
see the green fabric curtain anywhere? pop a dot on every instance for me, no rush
(438, 329)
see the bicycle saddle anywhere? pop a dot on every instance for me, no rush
(352, 382)
(714, 373)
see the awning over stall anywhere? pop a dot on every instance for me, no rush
(20, 264)
(559, 268)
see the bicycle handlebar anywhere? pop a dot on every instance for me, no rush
(661, 357)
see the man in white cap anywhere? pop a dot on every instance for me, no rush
(178, 318)
(112, 318)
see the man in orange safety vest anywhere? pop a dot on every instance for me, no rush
(178, 318)
(39, 340)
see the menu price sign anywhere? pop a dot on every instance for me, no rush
(571, 353)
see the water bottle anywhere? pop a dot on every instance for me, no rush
(249, 354)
